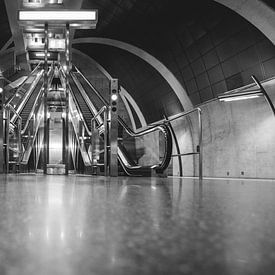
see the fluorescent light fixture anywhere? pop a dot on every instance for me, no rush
(42, 54)
(240, 96)
(58, 15)
(237, 98)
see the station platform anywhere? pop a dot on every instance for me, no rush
(97, 225)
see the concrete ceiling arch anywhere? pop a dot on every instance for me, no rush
(256, 12)
(124, 93)
(151, 60)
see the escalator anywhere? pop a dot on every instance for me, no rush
(26, 107)
(81, 103)
(26, 118)
(131, 166)
(16, 96)
(89, 101)
(91, 93)
(26, 131)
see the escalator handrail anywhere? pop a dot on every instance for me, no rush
(161, 127)
(141, 132)
(86, 98)
(13, 110)
(168, 145)
(103, 100)
(129, 130)
(33, 138)
(79, 110)
(27, 95)
(36, 106)
(101, 111)
(21, 86)
(82, 120)
(81, 148)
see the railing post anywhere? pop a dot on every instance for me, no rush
(176, 144)
(67, 53)
(7, 140)
(2, 130)
(113, 130)
(105, 118)
(19, 142)
(93, 143)
(200, 146)
(45, 141)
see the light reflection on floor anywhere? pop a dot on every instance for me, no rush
(97, 225)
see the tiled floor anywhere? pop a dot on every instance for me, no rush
(83, 225)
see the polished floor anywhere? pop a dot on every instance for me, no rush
(94, 225)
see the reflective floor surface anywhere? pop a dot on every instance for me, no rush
(94, 225)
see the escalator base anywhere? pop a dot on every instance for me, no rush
(56, 169)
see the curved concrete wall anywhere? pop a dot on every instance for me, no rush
(238, 139)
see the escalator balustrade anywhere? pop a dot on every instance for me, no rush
(26, 121)
(140, 153)
(131, 159)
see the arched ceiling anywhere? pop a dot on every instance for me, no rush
(4, 24)
(150, 91)
(258, 13)
(207, 46)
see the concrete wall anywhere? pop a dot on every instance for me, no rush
(238, 139)
(7, 63)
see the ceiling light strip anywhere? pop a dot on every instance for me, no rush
(69, 16)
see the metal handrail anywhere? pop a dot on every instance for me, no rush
(19, 119)
(102, 110)
(79, 143)
(179, 115)
(85, 96)
(129, 130)
(36, 107)
(141, 132)
(77, 107)
(78, 110)
(13, 110)
(176, 144)
(28, 94)
(80, 118)
(263, 91)
(34, 134)
(104, 101)
(21, 86)
(200, 147)
(132, 133)
(38, 98)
